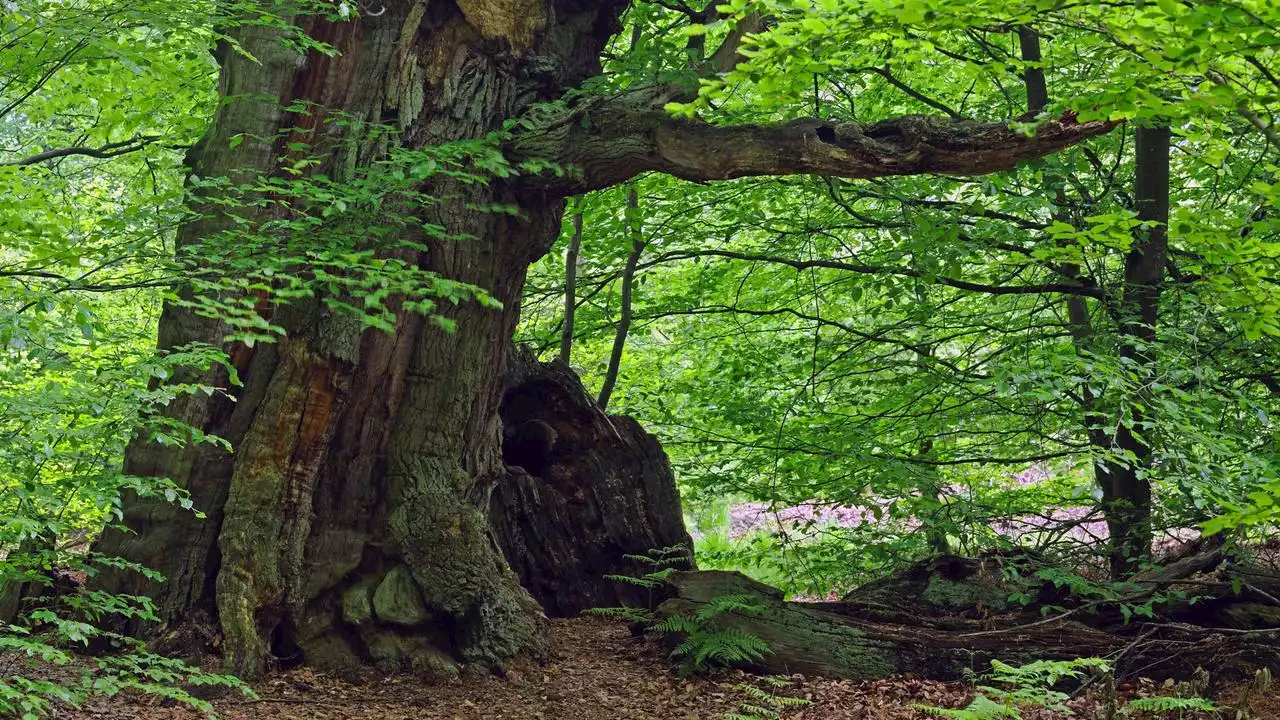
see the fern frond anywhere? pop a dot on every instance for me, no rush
(759, 711)
(727, 647)
(981, 708)
(640, 559)
(649, 581)
(740, 602)
(629, 614)
(678, 624)
(753, 692)
(1165, 704)
(960, 714)
(672, 555)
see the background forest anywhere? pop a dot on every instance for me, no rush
(1079, 357)
(835, 366)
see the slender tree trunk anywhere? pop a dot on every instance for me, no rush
(931, 488)
(930, 482)
(1033, 74)
(1079, 321)
(1129, 493)
(349, 523)
(571, 288)
(1126, 490)
(624, 313)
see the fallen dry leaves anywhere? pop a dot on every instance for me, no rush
(597, 672)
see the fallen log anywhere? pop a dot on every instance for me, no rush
(861, 641)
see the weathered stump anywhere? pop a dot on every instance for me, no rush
(582, 489)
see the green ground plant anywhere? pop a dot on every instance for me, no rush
(701, 645)
(764, 700)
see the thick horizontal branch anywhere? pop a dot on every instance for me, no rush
(613, 141)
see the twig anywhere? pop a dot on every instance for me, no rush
(1254, 588)
(1038, 623)
(109, 150)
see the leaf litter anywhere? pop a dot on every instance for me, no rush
(597, 671)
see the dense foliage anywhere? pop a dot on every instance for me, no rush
(950, 351)
(846, 374)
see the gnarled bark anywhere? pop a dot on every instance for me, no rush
(613, 142)
(349, 524)
(602, 491)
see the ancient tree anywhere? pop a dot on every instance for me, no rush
(349, 526)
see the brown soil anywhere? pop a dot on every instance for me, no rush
(597, 672)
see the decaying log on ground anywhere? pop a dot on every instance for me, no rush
(582, 490)
(929, 634)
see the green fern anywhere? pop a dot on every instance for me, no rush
(630, 614)
(762, 704)
(740, 603)
(1162, 705)
(667, 556)
(1024, 686)
(671, 555)
(677, 624)
(704, 645)
(981, 708)
(1044, 673)
(647, 581)
(760, 695)
(706, 648)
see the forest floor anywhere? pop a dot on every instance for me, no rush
(597, 672)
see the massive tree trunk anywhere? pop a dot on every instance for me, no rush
(348, 525)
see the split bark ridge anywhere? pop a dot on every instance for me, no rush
(349, 525)
(568, 513)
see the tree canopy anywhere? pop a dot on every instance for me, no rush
(886, 278)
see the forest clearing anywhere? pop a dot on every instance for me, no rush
(738, 360)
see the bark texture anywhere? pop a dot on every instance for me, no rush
(604, 489)
(1126, 481)
(614, 142)
(349, 525)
